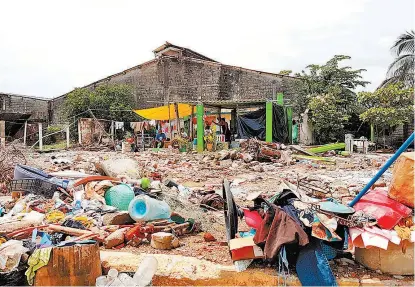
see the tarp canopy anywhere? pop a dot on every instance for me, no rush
(163, 113)
(252, 125)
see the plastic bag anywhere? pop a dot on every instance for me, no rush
(402, 185)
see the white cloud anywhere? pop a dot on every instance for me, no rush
(50, 47)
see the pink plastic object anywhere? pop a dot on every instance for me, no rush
(252, 218)
(386, 210)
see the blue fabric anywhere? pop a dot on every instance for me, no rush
(160, 137)
(312, 266)
(248, 233)
(329, 251)
(283, 270)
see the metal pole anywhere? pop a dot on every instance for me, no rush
(390, 161)
(67, 137)
(40, 137)
(25, 133)
(268, 122)
(200, 127)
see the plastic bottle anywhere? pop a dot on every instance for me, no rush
(126, 280)
(113, 278)
(101, 281)
(77, 196)
(145, 208)
(145, 271)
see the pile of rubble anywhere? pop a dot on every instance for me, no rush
(160, 201)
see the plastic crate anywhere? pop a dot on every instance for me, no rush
(33, 185)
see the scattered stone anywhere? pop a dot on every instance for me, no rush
(117, 218)
(164, 240)
(115, 238)
(208, 237)
(347, 260)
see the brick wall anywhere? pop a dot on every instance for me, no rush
(37, 107)
(175, 79)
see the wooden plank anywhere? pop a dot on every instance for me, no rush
(77, 265)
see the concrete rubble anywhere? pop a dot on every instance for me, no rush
(191, 185)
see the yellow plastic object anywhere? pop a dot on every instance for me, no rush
(163, 113)
(402, 185)
(84, 220)
(54, 216)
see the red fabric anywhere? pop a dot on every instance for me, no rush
(277, 231)
(386, 210)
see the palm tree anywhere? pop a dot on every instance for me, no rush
(402, 68)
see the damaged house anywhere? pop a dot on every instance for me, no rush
(178, 74)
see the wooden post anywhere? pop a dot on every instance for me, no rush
(67, 137)
(176, 110)
(2, 134)
(289, 113)
(112, 131)
(25, 133)
(40, 137)
(372, 133)
(79, 132)
(171, 132)
(191, 123)
(233, 121)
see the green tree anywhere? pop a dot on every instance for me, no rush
(328, 91)
(111, 101)
(388, 106)
(402, 68)
(285, 72)
(327, 118)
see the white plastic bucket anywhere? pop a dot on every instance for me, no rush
(145, 208)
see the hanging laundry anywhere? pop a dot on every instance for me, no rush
(119, 125)
(138, 127)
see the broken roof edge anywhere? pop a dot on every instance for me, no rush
(26, 96)
(109, 77)
(168, 45)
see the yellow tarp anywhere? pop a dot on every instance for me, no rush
(163, 114)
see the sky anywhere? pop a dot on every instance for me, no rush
(47, 48)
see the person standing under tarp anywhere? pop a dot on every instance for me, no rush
(159, 139)
(225, 128)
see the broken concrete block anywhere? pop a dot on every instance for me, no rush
(208, 237)
(390, 261)
(117, 218)
(121, 167)
(164, 240)
(115, 238)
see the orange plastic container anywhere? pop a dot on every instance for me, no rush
(401, 188)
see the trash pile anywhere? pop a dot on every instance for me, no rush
(302, 233)
(48, 211)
